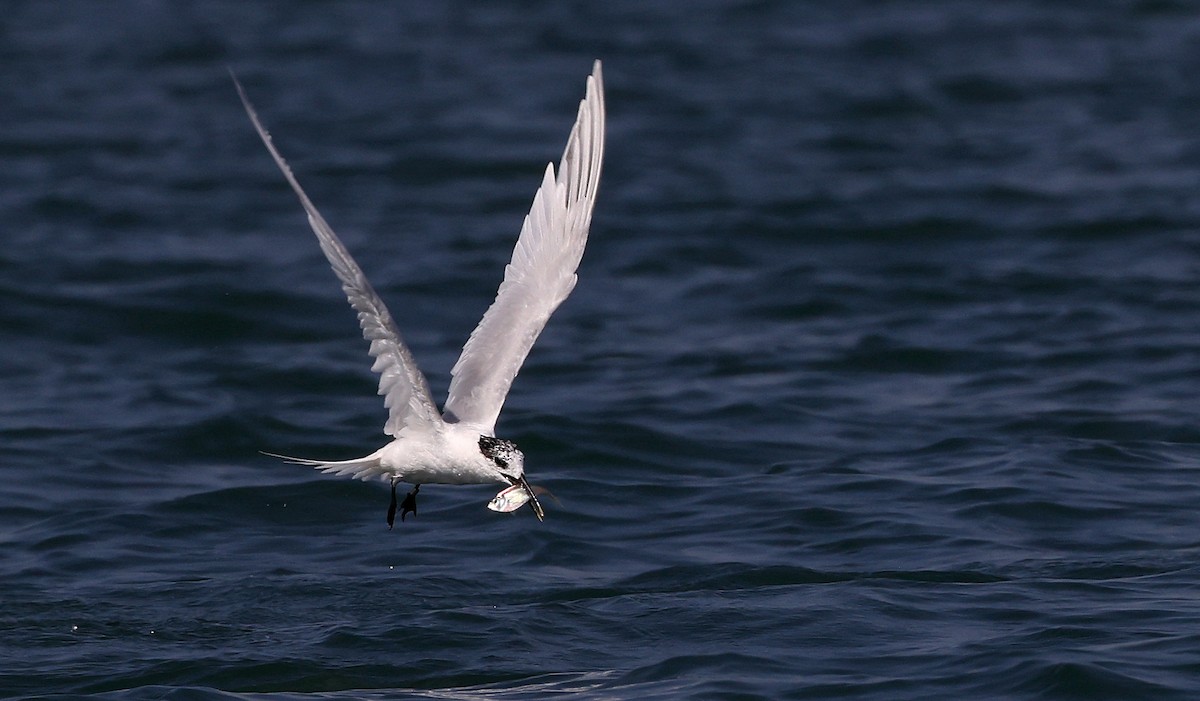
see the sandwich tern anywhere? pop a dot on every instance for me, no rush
(458, 445)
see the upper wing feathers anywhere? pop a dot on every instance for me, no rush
(403, 386)
(540, 275)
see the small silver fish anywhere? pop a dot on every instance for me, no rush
(510, 499)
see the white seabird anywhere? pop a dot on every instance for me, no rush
(458, 445)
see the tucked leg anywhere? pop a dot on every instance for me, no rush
(410, 502)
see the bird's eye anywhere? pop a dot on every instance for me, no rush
(500, 462)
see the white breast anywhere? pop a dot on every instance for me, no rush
(448, 456)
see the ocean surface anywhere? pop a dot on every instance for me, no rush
(880, 380)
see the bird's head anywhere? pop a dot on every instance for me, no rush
(509, 461)
(510, 464)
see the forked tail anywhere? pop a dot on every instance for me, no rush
(361, 468)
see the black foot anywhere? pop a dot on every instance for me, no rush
(392, 508)
(409, 503)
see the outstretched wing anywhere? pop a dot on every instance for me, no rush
(540, 275)
(404, 388)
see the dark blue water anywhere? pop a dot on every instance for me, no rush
(880, 380)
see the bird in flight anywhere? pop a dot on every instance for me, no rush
(458, 445)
